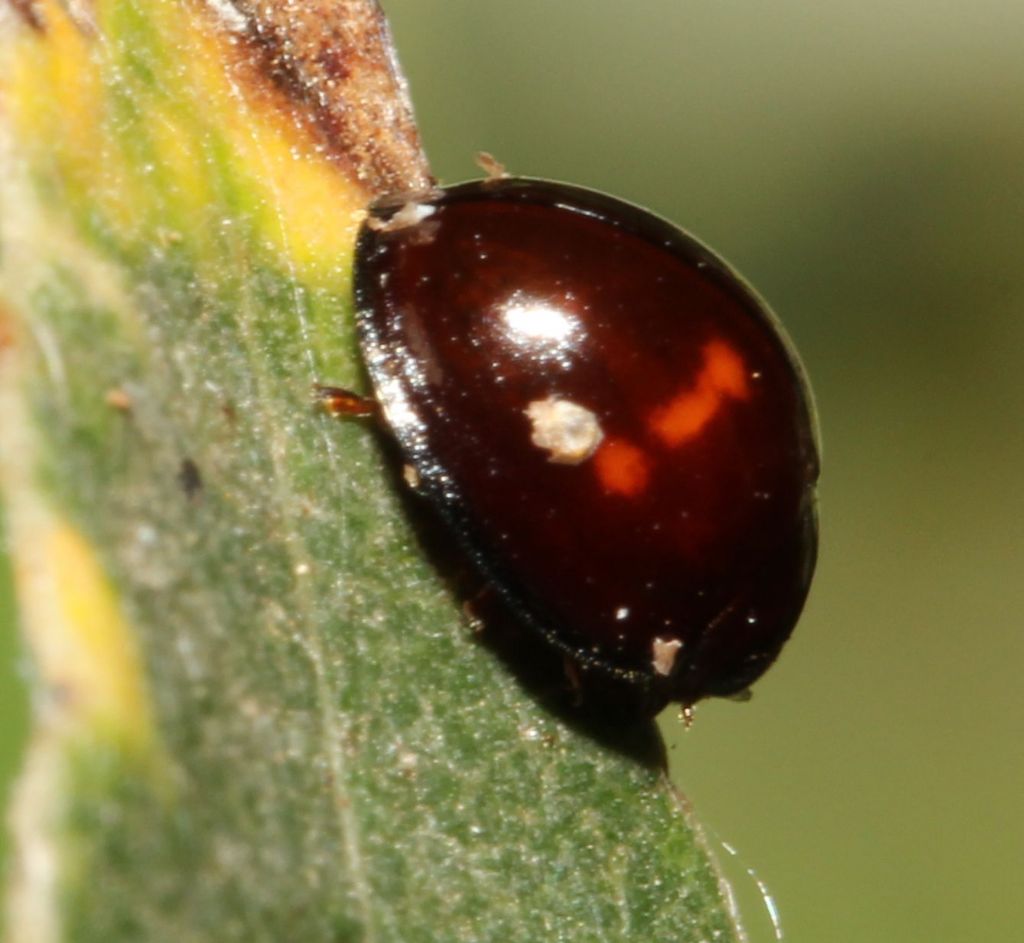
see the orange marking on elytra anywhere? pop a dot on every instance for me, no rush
(725, 370)
(621, 467)
(722, 376)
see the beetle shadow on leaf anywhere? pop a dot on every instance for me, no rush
(609, 712)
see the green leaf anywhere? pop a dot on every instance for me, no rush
(261, 715)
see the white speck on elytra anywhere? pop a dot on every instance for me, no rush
(665, 652)
(410, 214)
(570, 433)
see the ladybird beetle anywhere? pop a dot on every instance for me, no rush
(609, 420)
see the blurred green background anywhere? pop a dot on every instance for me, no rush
(13, 699)
(863, 164)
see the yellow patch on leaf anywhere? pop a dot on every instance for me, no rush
(156, 127)
(92, 662)
(304, 204)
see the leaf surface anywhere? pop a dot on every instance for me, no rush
(261, 715)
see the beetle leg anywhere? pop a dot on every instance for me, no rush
(341, 402)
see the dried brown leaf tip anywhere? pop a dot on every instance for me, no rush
(332, 61)
(30, 12)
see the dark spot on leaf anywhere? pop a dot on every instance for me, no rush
(190, 478)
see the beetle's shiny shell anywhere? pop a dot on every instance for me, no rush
(608, 418)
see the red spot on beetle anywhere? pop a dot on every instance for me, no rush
(722, 377)
(622, 468)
